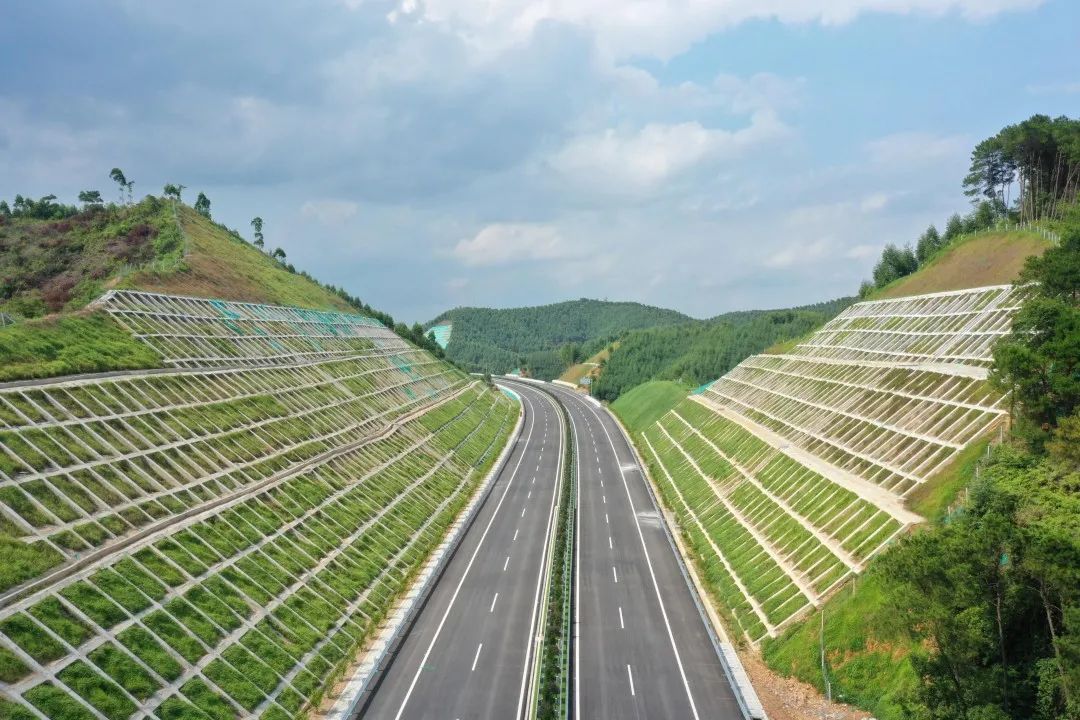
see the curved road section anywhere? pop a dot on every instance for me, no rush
(642, 650)
(470, 652)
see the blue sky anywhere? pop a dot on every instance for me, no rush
(695, 154)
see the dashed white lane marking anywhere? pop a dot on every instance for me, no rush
(630, 675)
(529, 495)
(506, 563)
(515, 535)
(493, 600)
(605, 518)
(523, 511)
(609, 545)
(621, 623)
(477, 657)
(604, 498)
(601, 483)
(615, 574)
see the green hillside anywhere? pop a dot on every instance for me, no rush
(53, 266)
(499, 340)
(696, 352)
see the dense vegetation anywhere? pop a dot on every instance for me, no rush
(696, 352)
(977, 616)
(50, 263)
(545, 339)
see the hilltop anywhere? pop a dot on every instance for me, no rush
(52, 268)
(499, 340)
(991, 258)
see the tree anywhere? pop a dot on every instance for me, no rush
(895, 263)
(130, 191)
(929, 243)
(1039, 363)
(173, 191)
(954, 228)
(117, 176)
(202, 205)
(5, 210)
(90, 198)
(278, 254)
(257, 225)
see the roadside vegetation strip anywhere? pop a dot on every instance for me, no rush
(555, 677)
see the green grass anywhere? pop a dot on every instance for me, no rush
(23, 561)
(11, 667)
(11, 711)
(82, 343)
(646, 403)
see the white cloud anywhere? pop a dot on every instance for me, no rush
(664, 28)
(1061, 88)
(798, 253)
(504, 243)
(622, 160)
(874, 202)
(329, 212)
(916, 149)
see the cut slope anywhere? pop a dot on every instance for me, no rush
(61, 265)
(789, 472)
(993, 258)
(220, 536)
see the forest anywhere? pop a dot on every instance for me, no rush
(694, 353)
(500, 340)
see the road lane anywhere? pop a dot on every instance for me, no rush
(642, 650)
(469, 653)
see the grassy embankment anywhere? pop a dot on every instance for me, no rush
(645, 404)
(56, 267)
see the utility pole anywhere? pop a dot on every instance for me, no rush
(824, 669)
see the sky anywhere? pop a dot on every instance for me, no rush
(702, 155)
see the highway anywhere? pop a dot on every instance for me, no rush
(642, 650)
(471, 649)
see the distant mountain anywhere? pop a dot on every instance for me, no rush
(696, 352)
(546, 338)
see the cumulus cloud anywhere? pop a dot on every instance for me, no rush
(618, 160)
(329, 212)
(505, 243)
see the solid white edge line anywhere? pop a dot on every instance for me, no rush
(465, 574)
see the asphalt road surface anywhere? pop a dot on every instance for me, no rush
(642, 648)
(470, 652)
